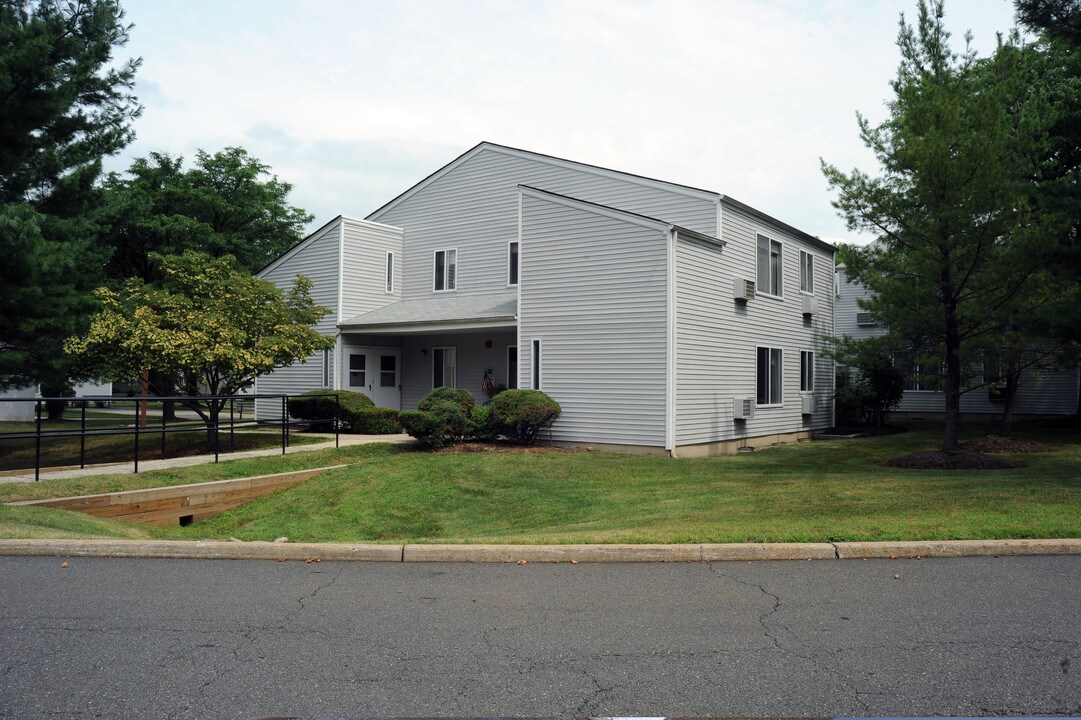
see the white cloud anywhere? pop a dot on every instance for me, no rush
(355, 102)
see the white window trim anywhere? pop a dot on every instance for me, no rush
(768, 405)
(432, 375)
(457, 264)
(388, 273)
(814, 371)
(780, 280)
(509, 283)
(811, 257)
(517, 364)
(536, 370)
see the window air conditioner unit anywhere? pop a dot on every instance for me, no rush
(810, 304)
(865, 318)
(743, 290)
(810, 404)
(742, 408)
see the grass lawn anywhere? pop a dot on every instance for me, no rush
(833, 490)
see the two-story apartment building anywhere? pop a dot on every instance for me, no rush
(1043, 391)
(661, 317)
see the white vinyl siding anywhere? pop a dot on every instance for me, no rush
(594, 287)
(474, 206)
(366, 255)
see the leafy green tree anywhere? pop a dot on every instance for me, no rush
(64, 108)
(951, 207)
(209, 327)
(229, 203)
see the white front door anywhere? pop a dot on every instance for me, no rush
(377, 373)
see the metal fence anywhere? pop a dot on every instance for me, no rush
(230, 419)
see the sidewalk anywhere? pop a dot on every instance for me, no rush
(147, 465)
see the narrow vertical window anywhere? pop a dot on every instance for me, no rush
(446, 269)
(357, 370)
(443, 367)
(390, 272)
(806, 371)
(512, 263)
(806, 272)
(512, 367)
(326, 368)
(768, 376)
(536, 364)
(768, 266)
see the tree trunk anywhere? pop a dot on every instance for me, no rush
(951, 431)
(164, 385)
(1009, 395)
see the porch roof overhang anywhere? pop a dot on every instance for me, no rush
(449, 313)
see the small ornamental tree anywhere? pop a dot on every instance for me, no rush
(210, 328)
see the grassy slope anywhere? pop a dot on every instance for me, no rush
(813, 491)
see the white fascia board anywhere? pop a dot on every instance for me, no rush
(432, 327)
(595, 209)
(360, 221)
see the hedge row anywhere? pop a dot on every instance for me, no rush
(354, 413)
(448, 415)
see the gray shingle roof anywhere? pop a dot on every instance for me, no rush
(446, 309)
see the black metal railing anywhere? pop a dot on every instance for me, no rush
(229, 419)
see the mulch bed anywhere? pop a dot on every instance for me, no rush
(999, 444)
(940, 460)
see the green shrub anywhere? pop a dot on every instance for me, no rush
(522, 415)
(458, 396)
(54, 409)
(443, 423)
(375, 421)
(482, 423)
(320, 410)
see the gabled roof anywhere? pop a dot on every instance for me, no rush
(466, 309)
(627, 215)
(594, 169)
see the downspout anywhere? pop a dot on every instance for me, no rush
(336, 382)
(670, 361)
(521, 281)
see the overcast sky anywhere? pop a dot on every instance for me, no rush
(354, 101)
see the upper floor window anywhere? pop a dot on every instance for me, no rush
(446, 269)
(769, 266)
(512, 263)
(390, 272)
(806, 272)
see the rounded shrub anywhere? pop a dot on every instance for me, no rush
(522, 415)
(482, 423)
(441, 424)
(375, 421)
(460, 397)
(320, 410)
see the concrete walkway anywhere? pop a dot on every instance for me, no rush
(147, 465)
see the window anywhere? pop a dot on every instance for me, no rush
(446, 269)
(769, 266)
(806, 272)
(512, 263)
(326, 368)
(536, 365)
(806, 371)
(512, 367)
(357, 370)
(769, 376)
(923, 376)
(443, 365)
(388, 370)
(390, 272)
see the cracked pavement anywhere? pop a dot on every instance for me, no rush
(120, 638)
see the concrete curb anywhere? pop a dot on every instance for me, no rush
(235, 550)
(956, 548)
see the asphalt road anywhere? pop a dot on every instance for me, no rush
(241, 639)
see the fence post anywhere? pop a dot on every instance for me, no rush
(163, 429)
(286, 421)
(217, 428)
(337, 425)
(82, 436)
(232, 441)
(137, 423)
(283, 424)
(37, 440)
